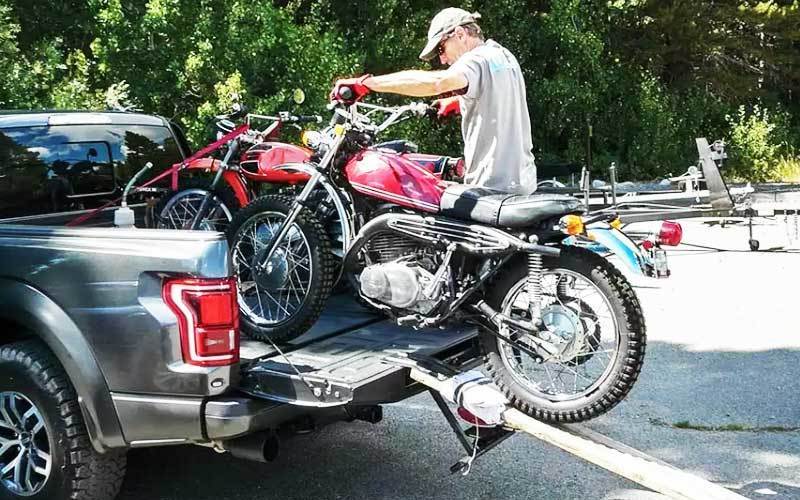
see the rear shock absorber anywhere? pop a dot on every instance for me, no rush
(535, 286)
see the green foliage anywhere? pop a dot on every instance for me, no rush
(788, 169)
(648, 76)
(756, 151)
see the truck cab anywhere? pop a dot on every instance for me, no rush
(56, 165)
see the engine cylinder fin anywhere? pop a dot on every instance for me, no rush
(474, 238)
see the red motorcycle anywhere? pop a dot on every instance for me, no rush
(562, 328)
(196, 203)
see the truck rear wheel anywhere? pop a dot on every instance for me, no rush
(45, 451)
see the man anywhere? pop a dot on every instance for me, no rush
(495, 124)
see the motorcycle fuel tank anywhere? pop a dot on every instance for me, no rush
(394, 178)
(259, 163)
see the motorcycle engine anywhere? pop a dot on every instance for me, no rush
(401, 276)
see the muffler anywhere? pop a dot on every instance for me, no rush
(475, 239)
(258, 447)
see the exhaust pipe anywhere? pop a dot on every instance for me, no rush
(259, 447)
(475, 239)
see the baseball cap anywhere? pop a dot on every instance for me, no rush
(443, 23)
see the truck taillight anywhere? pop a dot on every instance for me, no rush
(671, 234)
(208, 319)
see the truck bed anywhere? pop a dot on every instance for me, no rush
(349, 357)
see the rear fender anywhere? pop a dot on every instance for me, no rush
(605, 239)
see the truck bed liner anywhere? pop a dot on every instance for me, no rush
(346, 359)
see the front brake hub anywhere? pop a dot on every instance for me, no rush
(273, 274)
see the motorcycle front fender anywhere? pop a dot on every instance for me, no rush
(233, 179)
(604, 239)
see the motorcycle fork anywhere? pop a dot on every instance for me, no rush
(286, 225)
(204, 205)
(300, 201)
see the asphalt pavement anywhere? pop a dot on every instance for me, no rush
(718, 397)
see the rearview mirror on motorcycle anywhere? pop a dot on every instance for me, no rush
(298, 96)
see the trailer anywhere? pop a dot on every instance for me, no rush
(353, 362)
(701, 192)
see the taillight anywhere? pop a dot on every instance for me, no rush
(208, 319)
(671, 234)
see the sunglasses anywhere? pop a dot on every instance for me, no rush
(440, 48)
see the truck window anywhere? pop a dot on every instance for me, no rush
(74, 167)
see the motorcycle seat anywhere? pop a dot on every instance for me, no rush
(500, 209)
(399, 146)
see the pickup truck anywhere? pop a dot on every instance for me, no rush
(110, 339)
(114, 339)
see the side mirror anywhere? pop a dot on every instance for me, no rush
(298, 96)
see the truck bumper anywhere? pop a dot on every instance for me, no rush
(153, 420)
(234, 416)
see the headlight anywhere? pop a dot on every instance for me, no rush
(311, 139)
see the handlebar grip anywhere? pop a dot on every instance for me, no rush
(346, 94)
(309, 119)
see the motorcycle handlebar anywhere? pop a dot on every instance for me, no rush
(308, 119)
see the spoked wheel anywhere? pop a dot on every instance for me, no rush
(592, 317)
(178, 210)
(282, 297)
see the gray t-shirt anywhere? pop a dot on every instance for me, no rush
(495, 124)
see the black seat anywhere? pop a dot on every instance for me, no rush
(497, 208)
(399, 146)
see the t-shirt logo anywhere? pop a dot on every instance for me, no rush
(495, 66)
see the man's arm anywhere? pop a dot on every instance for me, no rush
(418, 83)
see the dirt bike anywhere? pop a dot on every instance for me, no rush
(195, 203)
(562, 328)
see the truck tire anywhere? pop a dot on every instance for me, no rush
(45, 451)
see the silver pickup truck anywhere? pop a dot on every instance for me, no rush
(111, 339)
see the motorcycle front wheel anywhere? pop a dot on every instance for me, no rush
(592, 315)
(282, 298)
(178, 209)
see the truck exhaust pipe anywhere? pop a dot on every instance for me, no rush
(259, 447)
